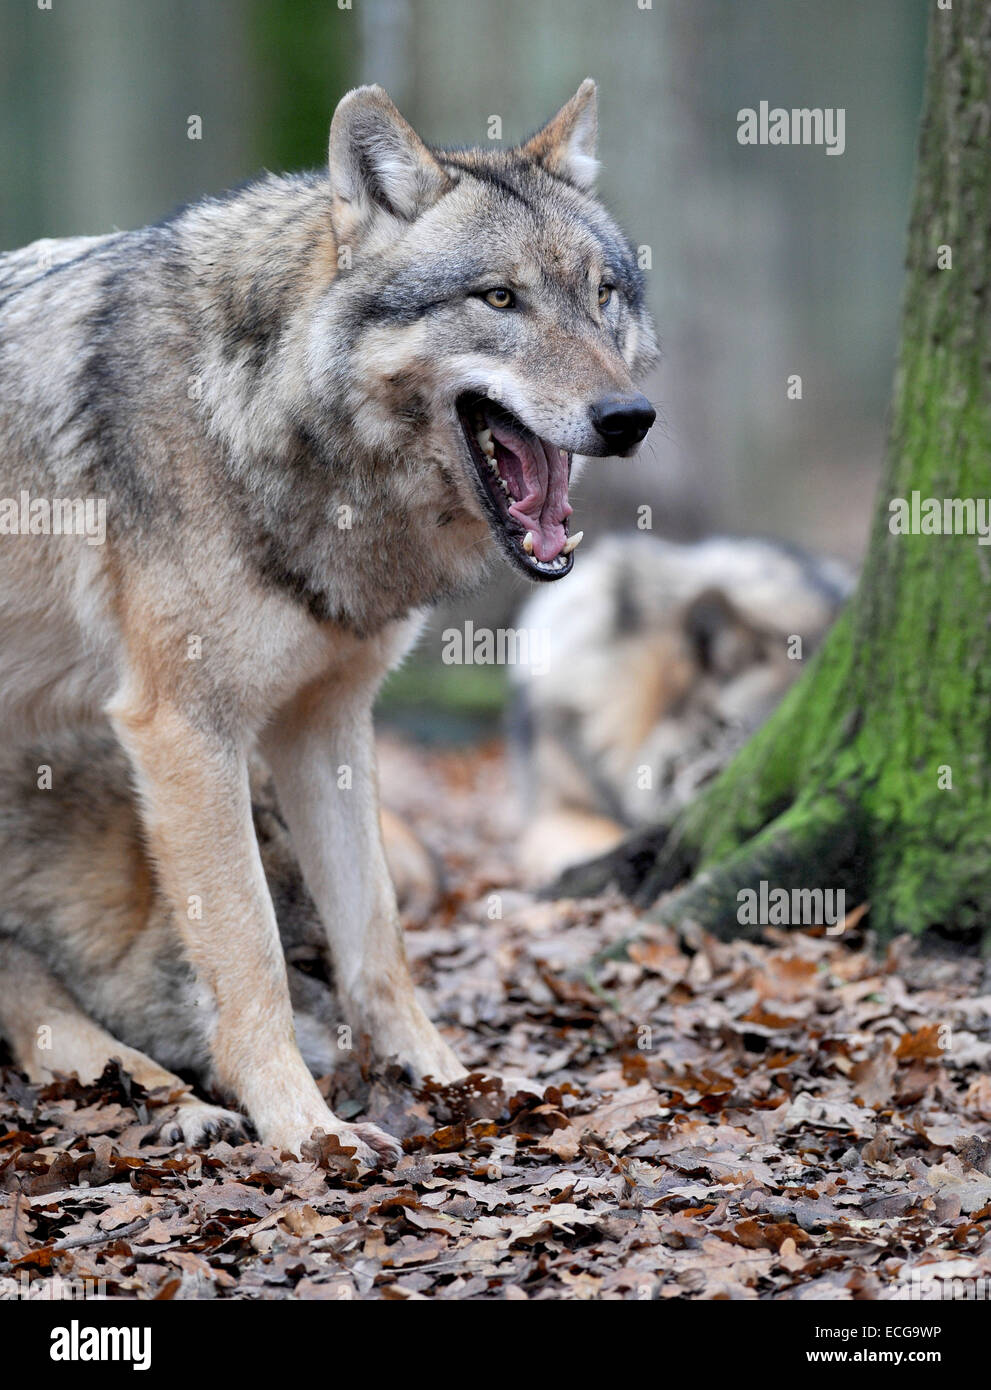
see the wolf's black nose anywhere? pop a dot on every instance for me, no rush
(623, 420)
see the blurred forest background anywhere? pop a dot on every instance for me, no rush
(766, 261)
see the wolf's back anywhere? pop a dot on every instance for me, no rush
(29, 263)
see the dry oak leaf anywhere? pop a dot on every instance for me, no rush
(873, 1078)
(817, 1111)
(15, 1225)
(562, 1216)
(617, 1114)
(921, 1046)
(233, 1197)
(131, 1209)
(972, 1189)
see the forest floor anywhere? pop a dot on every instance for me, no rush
(804, 1118)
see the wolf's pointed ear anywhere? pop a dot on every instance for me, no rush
(723, 641)
(377, 160)
(566, 145)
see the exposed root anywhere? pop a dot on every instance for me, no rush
(810, 846)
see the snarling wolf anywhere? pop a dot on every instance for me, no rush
(311, 407)
(662, 659)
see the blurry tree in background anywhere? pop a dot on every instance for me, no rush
(304, 57)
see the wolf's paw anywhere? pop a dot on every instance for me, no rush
(365, 1145)
(374, 1148)
(195, 1122)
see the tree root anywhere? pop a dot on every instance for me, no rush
(814, 844)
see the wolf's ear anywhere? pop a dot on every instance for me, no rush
(377, 160)
(723, 641)
(566, 145)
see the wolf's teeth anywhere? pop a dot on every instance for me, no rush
(505, 487)
(559, 562)
(485, 443)
(573, 542)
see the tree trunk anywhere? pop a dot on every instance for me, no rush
(873, 775)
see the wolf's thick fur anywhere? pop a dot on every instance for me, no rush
(662, 660)
(265, 391)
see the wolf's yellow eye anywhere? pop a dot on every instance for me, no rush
(605, 294)
(499, 298)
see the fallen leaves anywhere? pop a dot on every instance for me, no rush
(799, 1118)
(608, 1122)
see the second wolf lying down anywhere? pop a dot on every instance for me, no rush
(663, 659)
(311, 408)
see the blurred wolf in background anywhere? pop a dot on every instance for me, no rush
(311, 408)
(663, 659)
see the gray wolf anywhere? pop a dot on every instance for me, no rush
(663, 658)
(309, 408)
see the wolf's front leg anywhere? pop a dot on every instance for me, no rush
(321, 753)
(193, 786)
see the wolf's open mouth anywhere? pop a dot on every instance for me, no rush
(523, 483)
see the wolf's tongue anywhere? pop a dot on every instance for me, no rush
(537, 474)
